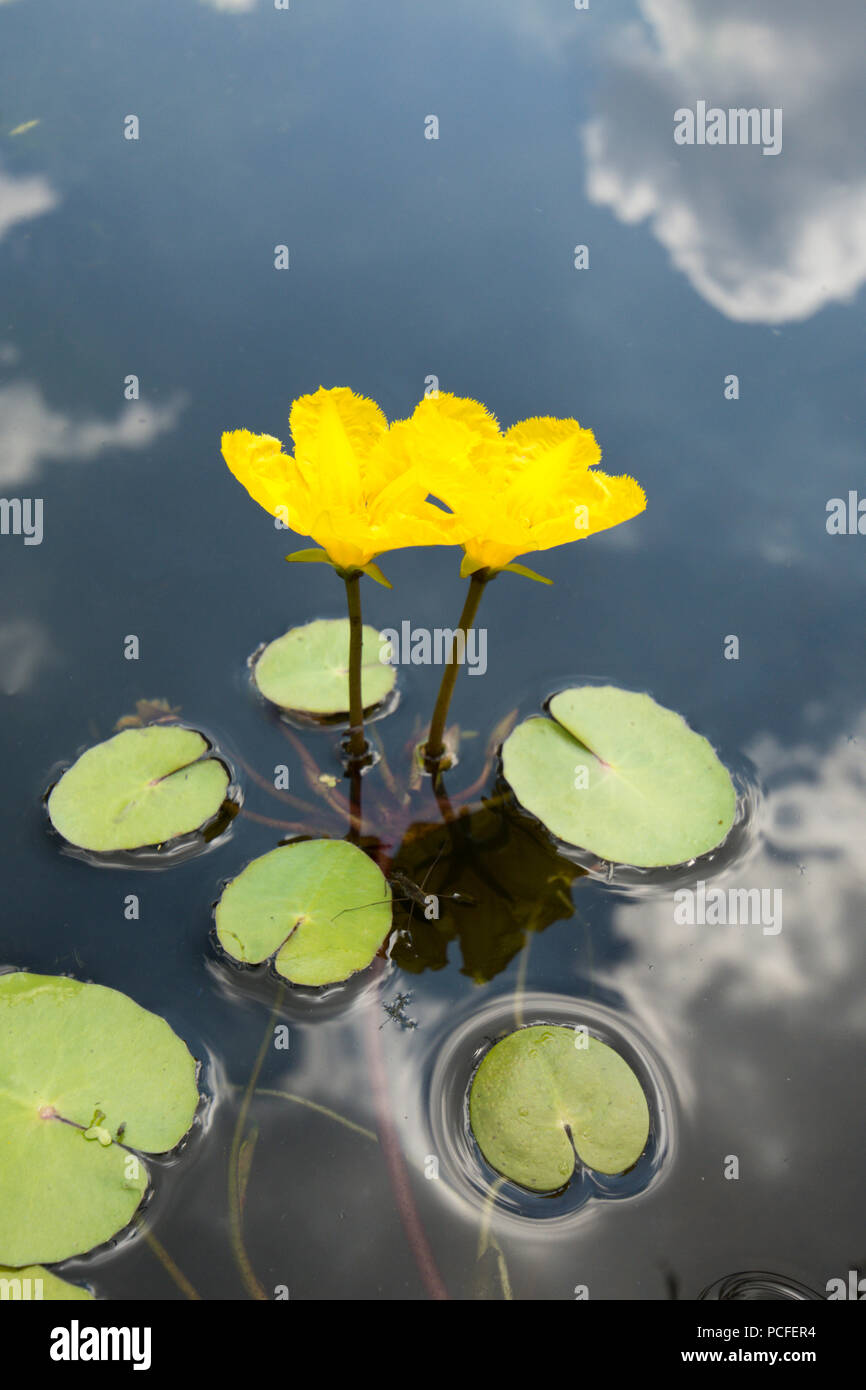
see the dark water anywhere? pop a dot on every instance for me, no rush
(454, 257)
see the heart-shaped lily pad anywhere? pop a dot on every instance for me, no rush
(35, 1284)
(307, 669)
(543, 1094)
(87, 1077)
(142, 787)
(321, 907)
(621, 776)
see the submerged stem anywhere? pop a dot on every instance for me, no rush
(168, 1263)
(248, 1274)
(435, 746)
(321, 1110)
(487, 1239)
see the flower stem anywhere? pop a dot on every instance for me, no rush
(435, 746)
(357, 742)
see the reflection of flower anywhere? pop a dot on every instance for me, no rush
(531, 488)
(509, 882)
(352, 484)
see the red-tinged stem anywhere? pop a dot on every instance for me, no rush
(402, 1189)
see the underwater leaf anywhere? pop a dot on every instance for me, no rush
(142, 787)
(543, 1094)
(33, 1283)
(321, 907)
(148, 712)
(307, 669)
(74, 1057)
(621, 776)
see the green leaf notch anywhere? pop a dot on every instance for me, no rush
(321, 908)
(140, 788)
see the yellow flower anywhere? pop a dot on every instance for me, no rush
(531, 488)
(352, 484)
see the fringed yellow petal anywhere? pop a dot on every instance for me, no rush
(362, 420)
(351, 487)
(445, 410)
(546, 460)
(452, 438)
(333, 432)
(259, 464)
(610, 500)
(359, 488)
(530, 489)
(542, 433)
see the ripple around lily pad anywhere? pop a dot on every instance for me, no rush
(453, 1059)
(741, 841)
(753, 1286)
(261, 987)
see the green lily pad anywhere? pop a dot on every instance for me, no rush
(538, 1098)
(307, 669)
(35, 1284)
(142, 787)
(621, 776)
(87, 1077)
(321, 907)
